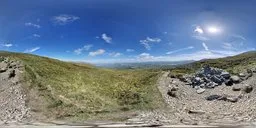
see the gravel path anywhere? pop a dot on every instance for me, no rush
(192, 108)
(12, 102)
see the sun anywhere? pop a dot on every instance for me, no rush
(213, 29)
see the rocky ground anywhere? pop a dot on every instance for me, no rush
(12, 101)
(228, 104)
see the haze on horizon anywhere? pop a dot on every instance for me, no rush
(128, 31)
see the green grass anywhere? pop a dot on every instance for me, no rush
(69, 90)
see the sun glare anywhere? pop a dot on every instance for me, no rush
(213, 29)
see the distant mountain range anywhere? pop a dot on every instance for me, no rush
(144, 65)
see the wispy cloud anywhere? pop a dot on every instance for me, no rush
(64, 19)
(32, 25)
(239, 36)
(148, 41)
(115, 54)
(84, 48)
(180, 50)
(205, 47)
(97, 52)
(32, 50)
(200, 37)
(106, 38)
(198, 30)
(228, 46)
(36, 35)
(129, 50)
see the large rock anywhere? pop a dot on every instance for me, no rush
(235, 79)
(229, 82)
(215, 79)
(225, 75)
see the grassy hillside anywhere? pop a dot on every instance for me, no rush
(233, 64)
(60, 89)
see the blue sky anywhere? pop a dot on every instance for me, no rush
(128, 30)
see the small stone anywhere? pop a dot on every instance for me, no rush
(3, 70)
(247, 88)
(183, 79)
(235, 79)
(200, 91)
(213, 97)
(196, 112)
(174, 89)
(12, 74)
(249, 71)
(241, 75)
(236, 88)
(232, 99)
(172, 93)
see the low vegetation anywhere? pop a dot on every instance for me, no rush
(69, 90)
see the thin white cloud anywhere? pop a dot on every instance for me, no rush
(130, 50)
(148, 41)
(205, 47)
(198, 55)
(106, 38)
(84, 48)
(145, 57)
(200, 37)
(97, 52)
(32, 50)
(36, 35)
(198, 30)
(115, 54)
(180, 50)
(32, 25)
(239, 37)
(64, 19)
(228, 46)
(7, 45)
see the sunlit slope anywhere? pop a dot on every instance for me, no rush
(60, 89)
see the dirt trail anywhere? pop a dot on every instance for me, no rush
(178, 110)
(12, 103)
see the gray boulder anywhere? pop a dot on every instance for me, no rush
(225, 75)
(229, 82)
(216, 79)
